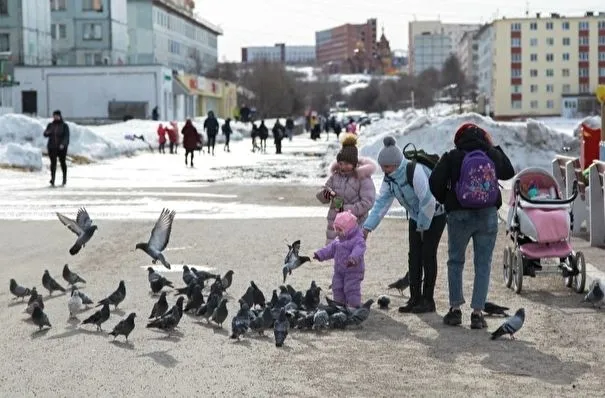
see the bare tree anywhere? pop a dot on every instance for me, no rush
(452, 74)
(226, 71)
(196, 62)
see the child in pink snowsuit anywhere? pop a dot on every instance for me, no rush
(348, 251)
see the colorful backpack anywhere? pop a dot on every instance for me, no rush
(477, 186)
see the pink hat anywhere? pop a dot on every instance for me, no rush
(346, 221)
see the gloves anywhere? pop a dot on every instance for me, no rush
(351, 262)
(327, 194)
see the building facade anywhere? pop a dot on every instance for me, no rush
(280, 52)
(431, 51)
(547, 65)
(467, 53)
(89, 32)
(421, 29)
(485, 66)
(336, 46)
(169, 33)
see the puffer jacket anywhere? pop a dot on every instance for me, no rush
(356, 189)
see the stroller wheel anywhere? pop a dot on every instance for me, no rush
(578, 281)
(518, 271)
(507, 268)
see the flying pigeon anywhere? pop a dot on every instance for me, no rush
(220, 313)
(82, 227)
(99, 317)
(241, 321)
(19, 291)
(511, 326)
(124, 327)
(293, 260)
(71, 277)
(50, 284)
(160, 307)
(401, 284)
(280, 328)
(39, 318)
(157, 281)
(383, 302)
(160, 235)
(494, 309)
(595, 295)
(116, 297)
(74, 304)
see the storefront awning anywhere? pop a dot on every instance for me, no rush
(178, 88)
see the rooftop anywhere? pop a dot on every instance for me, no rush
(189, 15)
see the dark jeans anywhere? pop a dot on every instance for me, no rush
(211, 142)
(53, 154)
(422, 258)
(161, 148)
(278, 147)
(187, 152)
(227, 139)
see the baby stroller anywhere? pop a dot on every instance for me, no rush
(539, 223)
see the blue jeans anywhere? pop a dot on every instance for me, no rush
(462, 225)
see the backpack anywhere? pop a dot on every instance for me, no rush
(418, 156)
(477, 186)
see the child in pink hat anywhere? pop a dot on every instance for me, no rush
(348, 251)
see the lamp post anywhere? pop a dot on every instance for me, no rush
(601, 97)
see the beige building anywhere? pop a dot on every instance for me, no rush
(467, 53)
(544, 66)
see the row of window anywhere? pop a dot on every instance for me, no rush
(582, 72)
(185, 28)
(90, 31)
(518, 104)
(87, 5)
(550, 57)
(550, 41)
(565, 25)
(550, 88)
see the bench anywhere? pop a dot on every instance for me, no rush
(566, 170)
(596, 203)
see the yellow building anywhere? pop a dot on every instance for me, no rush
(204, 95)
(229, 100)
(542, 66)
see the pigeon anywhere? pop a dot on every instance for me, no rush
(321, 320)
(284, 297)
(82, 227)
(176, 309)
(204, 275)
(401, 284)
(220, 313)
(160, 307)
(39, 318)
(160, 235)
(124, 327)
(74, 304)
(248, 297)
(383, 302)
(274, 299)
(595, 295)
(85, 299)
(311, 300)
(494, 309)
(116, 297)
(99, 317)
(359, 315)
(35, 300)
(196, 300)
(257, 295)
(50, 284)
(206, 310)
(157, 281)
(71, 277)
(188, 276)
(170, 319)
(280, 328)
(511, 326)
(262, 322)
(19, 291)
(338, 320)
(293, 260)
(227, 279)
(241, 321)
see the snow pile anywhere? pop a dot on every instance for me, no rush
(351, 88)
(23, 156)
(528, 144)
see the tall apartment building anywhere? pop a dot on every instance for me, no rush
(430, 51)
(467, 53)
(484, 66)
(545, 65)
(24, 34)
(280, 52)
(89, 32)
(169, 33)
(336, 46)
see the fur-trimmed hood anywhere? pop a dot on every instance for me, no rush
(365, 167)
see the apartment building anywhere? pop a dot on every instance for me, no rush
(336, 46)
(467, 53)
(169, 33)
(89, 32)
(280, 52)
(430, 51)
(545, 66)
(484, 67)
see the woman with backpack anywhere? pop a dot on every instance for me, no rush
(408, 182)
(465, 180)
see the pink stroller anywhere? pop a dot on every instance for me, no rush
(539, 224)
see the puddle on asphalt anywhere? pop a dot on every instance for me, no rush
(178, 267)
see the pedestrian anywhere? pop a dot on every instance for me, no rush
(278, 135)
(190, 140)
(351, 127)
(263, 133)
(227, 133)
(161, 138)
(465, 180)
(425, 227)
(155, 114)
(254, 135)
(350, 186)
(172, 138)
(211, 126)
(337, 129)
(348, 251)
(57, 133)
(289, 128)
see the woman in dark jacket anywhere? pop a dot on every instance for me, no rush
(463, 223)
(227, 132)
(190, 140)
(57, 133)
(263, 133)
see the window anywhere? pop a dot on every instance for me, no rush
(533, 104)
(583, 25)
(583, 56)
(550, 57)
(550, 104)
(566, 41)
(533, 57)
(515, 57)
(566, 89)
(601, 72)
(515, 72)
(533, 88)
(93, 58)
(533, 42)
(565, 56)
(533, 26)
(565, 25)
(565, 72)
(58, 31)
(549, 25)
(515, 88)
(583, 72)
(92, 5)
(3, 7)
(5, 45)
(583, 41)
(57, 5)
(92, 31)
(533, 72)
(601, 40)
(601, 55)
(550, 88)
(550, 72)
(584, 88)
(515, 42)
(601, 25)
(550, 41)
(515, 27)
(515, 104)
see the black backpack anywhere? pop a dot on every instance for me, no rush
(417, 156)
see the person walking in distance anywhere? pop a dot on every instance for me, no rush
(263, 133)
(211, 126)
(227, 133)
(278, 135)
(57, 133)
(161, 139)
(289, 128)
(190, 140)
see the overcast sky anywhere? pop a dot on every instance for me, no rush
(266, 22)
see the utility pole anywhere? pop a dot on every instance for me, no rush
(412, 98)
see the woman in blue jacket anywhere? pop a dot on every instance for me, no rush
(427, 222)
